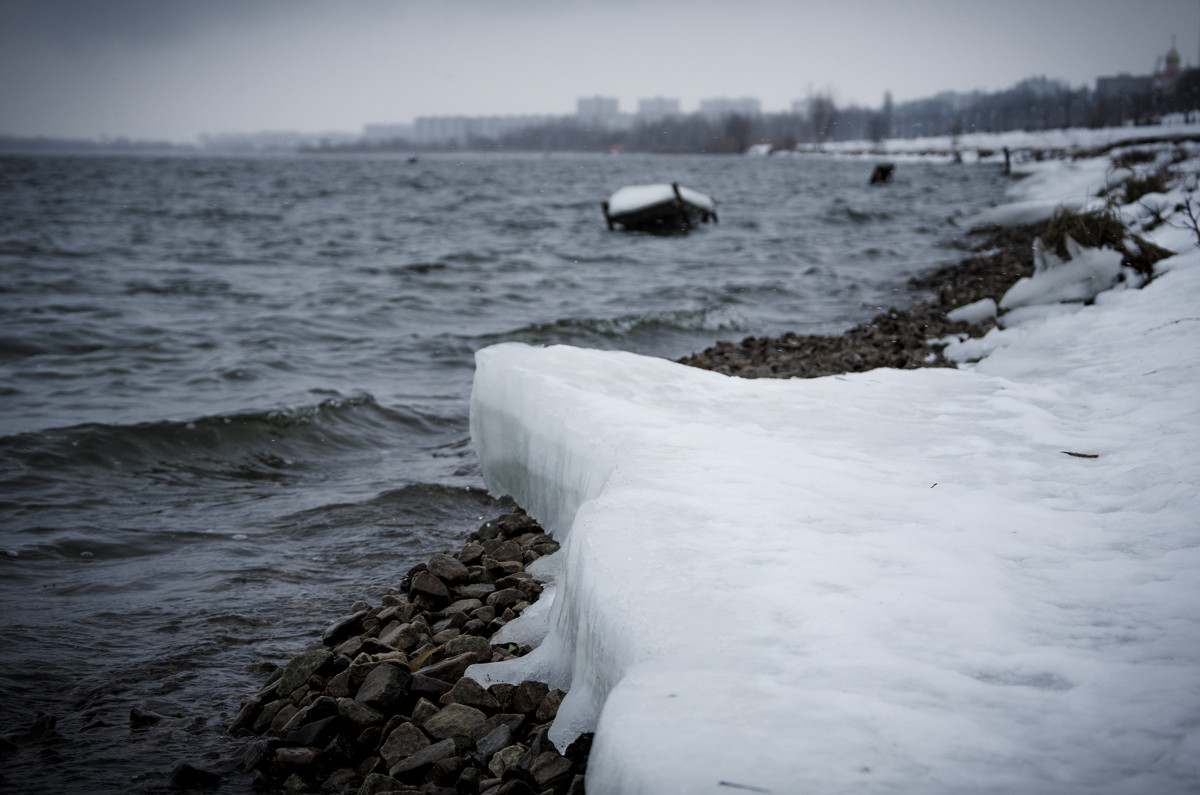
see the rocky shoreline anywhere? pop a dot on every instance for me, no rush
(382, 705)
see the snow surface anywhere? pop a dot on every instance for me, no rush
(636, 197)
(926, 581)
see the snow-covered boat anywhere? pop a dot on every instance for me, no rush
(664, 209)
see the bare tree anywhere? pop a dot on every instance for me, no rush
(822, 115)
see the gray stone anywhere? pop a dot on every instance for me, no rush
(548, 709)
(426, 583)
(505, 598)
(472, 644)
(402, 743)
(509, 550)
(343, 628)
(465, 605)
(454, 720)
(510, 719)
(470, 693)
(528, 696)
(424, 710)
(498, 738)
(475, 590)
(506, 758)
(447, 569)
(450, 669)
(317, 733)
(296, 757)
(301, 667)
(403, 637)
(550, 769)
(378, 784)
(321, 707)
(384, 688)
(358, 713)
(425, 758)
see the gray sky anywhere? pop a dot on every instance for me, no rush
(176, 68)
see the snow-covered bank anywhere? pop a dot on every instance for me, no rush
(985, 579)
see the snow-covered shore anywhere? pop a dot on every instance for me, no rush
(984, 579)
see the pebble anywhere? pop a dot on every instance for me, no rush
(382, 705)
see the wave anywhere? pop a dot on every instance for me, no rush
(720, 319)
(249, 446)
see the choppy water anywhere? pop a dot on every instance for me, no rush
(233, 392)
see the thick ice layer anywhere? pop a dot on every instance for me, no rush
(637, 197)
(982, 580)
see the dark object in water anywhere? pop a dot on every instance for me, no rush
(883, 173)
(659, 209)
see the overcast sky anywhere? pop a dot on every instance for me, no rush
(173, 69)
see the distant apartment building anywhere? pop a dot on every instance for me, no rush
(388, 132)
(720, 107)
(461, 130)
(657, 109)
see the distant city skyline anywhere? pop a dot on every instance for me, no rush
(174, 71)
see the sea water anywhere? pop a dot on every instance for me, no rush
(234, 391)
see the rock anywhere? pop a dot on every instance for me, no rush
(339, 780)
(470, 553)
(510, 719)
(505, 598)
(316, 733)
(320, 708)
(480, 647)
(550, 769)
(246, 715)
(450, 669)
(475, 590)
(509, 550)
(358, 714)
(423, 711)
(428, 584)
(427, 687)
(548, 708)
(343, 628)
(285, 714)
(454, 720)
(446, 771)
(528, 696)
(378, 784)
(296, 757)
(403, 637)
(402, 743)
(505, 759)
(297, 672)
(188, 776)
(465, 605)
(447, 569)
(339, 686)
(424, 759)
(384, 688)
(140, 719)
(470, 693)
(294, 783)
(498, 738)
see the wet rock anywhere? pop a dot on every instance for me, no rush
(429, 585)
(450, 669)
(140, 719)
(454, 720)
(188, 776)
(513, 721)
(384, 688)
(548, 708)
(422, 760)
(447, 569)
(378, 784)
(505, 598)
(505, 759)
(528, 696)
(497, 739)
(480, 647)
(550, 770)
(296, 757)
(297, 672)
(358, 714)
(322, 707)
(404, 741)
(343, 628)
(468, 692)
(315, 734)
